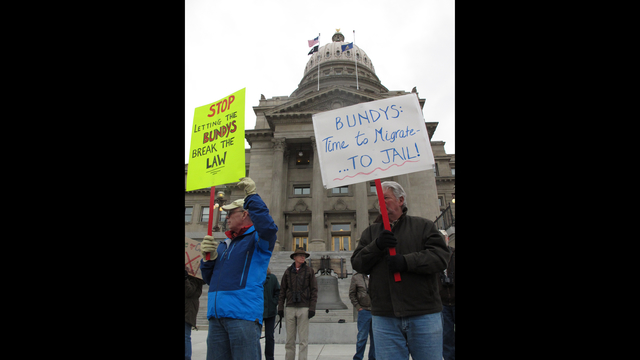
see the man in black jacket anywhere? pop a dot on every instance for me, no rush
(192, 292)
(406, 315)
(448, 296)
(271, 295)
(300, 290)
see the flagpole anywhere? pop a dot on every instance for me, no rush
(354, 59)
(318, 62)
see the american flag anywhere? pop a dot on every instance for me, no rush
(313, 42)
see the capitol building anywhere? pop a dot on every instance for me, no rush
(283, 161)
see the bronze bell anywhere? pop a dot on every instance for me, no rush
(328, 295)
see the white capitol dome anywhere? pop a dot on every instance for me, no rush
(338, 68)
(332, 52)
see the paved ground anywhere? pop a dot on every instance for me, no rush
(315, 351)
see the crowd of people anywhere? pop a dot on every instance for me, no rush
(414, 316)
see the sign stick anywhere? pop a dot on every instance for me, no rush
(210, 224)
(385, 220)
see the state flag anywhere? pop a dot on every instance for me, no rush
(347, 47)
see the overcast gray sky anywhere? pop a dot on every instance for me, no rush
(261, 45)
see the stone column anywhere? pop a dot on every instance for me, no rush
(284, 187)
(423, 197)
(317, 240)
(275, 209)
(362, 212)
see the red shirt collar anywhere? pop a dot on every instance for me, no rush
(232, 235)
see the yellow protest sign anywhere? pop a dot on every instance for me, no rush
(217, 143)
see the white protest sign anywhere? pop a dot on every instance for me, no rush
(372, 140)
(192, 256)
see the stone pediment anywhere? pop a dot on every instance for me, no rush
(315, 102)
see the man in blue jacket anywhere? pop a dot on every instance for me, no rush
(235, 275)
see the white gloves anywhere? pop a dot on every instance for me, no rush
(209, 245)
(248, 185)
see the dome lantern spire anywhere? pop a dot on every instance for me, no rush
(337, 37)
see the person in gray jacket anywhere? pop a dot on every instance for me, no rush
(358, 294)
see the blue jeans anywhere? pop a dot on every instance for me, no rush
(187, 341)
(364, 331)
(449, 336)
(233, 339)
(420, 336)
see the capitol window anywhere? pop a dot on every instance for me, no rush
(340, 190)
(300, 235)
(341, 237)
(337, 52)
(372, 185)
(328, 54)
(302, 157)
(348, 53)
(301, 190)
(188, 211)
(204, 214)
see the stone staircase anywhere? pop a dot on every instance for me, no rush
(280, 261)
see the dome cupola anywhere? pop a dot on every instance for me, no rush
(337, 66)
(337, 37)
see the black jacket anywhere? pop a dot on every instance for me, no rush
(192, 292)
(448, 293)
(304, 282)
(271, 294)
(426, 253)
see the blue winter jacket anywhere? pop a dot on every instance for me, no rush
(237, 275)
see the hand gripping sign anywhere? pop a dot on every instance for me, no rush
(372, 140)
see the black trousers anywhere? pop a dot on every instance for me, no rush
(269, 344)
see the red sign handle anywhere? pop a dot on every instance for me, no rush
(210, 224)
(385, 220)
